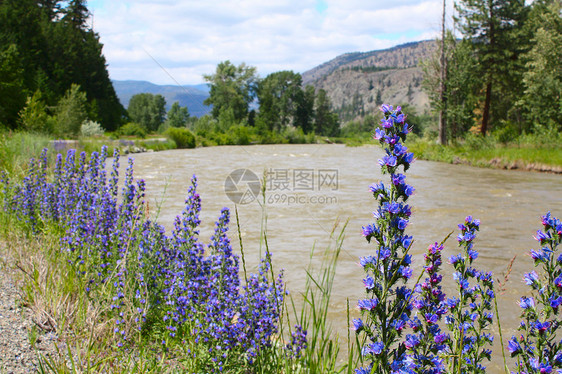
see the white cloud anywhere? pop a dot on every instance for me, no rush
(189, 38)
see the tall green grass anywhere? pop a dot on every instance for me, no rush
(16, 148)
(524, 153)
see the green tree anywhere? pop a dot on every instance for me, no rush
(325, 121)
(280, 95)
(71, 112)
(12, 88)
(177, 116)
(76, 14)
(231, 87)
(542, 99)
(57, 48)
(34, 117)
(147, 110)
(304, 117)
(490, 25)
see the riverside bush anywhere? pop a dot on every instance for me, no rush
(132, 129)
(181, 136)
(91, 128)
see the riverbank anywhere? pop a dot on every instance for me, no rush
(531, 157)
(537, 154)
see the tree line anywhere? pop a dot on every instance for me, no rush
(53, 74)
(242, 101)
(279, 100)
(504, 75)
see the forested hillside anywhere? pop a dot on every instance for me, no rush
(49, 52)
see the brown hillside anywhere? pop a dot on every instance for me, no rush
(354, 81)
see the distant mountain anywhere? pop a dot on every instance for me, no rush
(357, 83)
(191, 97)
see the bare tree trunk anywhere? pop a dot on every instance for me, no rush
(442, 96)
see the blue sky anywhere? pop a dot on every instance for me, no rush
(189, 38)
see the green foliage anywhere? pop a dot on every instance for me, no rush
(326, 122)
(226, 120)
(48, 46)
(507, 133)
(534, 152)
(490, 25)
(132, 129)
(12, 88)
(504, 75)
(543, 77)
(240, 134)
(283, 102)
(478, 141)
(177, 116)
(547, 135)
(360, 128)
(147, 110)
(71, 112)
(462, 86)
(181, 136)
(295, 135)
(232, 87)
(34, 117)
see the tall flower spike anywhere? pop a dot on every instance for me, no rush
(538, 347)
(470, 313)
(386, 308)
(431, 305)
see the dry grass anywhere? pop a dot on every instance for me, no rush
(57, 302)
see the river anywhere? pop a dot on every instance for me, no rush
(312, 187)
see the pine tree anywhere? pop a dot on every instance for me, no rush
(490, 25)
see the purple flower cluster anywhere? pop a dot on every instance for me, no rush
(386, 309)
(174, 287)
(470, 315)
(428, 342)
(298, 342)
(539, 348)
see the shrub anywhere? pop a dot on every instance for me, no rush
(34, 117)
(71, 111)
(181, 136)
(91, 128)
(240, 134)
(132, 129)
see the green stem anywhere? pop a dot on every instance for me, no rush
(501, 335)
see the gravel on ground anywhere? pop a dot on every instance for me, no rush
(17, 329)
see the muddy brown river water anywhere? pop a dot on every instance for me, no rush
(312, 187)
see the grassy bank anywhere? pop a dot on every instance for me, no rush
(479, 152)
(122, 295)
